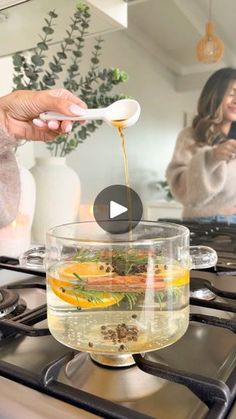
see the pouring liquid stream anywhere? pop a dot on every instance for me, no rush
(119, 124)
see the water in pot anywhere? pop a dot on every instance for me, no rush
(120, 294)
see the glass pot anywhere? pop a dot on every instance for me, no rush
(119, 294)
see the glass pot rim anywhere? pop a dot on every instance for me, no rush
(56, 232)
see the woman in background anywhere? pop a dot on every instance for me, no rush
(19, 113)
(202, 172)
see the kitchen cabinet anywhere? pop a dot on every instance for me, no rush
(115, 10)
(21, 22)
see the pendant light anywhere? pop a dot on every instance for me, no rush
(210, 48)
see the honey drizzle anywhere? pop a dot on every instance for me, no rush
(125, 158)
(119, 124)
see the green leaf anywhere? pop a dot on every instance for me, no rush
(49, 81)
(53, 14)
(37, 60)
(123, 76)
(77, 54)
(85, 25)
(74, 27)
(90, 127)
(81, 7)
(42, 45)
(74, 67)
(31, 75)
(71, 85)
(94, 60)
(69, 41)
(116, 74)
(56, 68)
(83, 133)
(61, 55)
(73, 143)
(18, 60)
(47, 30)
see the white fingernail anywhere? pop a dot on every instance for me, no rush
(68, 128)
(38, 122)
(53, 124)
(77, 110)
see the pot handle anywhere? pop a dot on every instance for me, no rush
(33, 258)
(202, 257)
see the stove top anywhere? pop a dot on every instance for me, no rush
(195, 378)
(220, 236)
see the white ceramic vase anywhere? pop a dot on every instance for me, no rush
(15, 238)
(58, 195)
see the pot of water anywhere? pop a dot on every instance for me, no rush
(116, 295)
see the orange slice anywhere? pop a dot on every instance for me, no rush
(65, 288)
(175, 276)
(84, 270)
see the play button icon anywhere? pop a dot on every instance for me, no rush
(117, 209)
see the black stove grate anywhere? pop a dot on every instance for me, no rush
(12, 264)
(217, 395)
(220, 236)
(47, 383)
(215, 305)
(23, 323)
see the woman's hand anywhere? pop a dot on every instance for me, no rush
(225, 151)
(19, 113)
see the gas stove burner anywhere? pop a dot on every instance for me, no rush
(120, 384)
(199, 290)
(113, 361)
(8, 301)
(203, 294)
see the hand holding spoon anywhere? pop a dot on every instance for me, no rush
(124, 111)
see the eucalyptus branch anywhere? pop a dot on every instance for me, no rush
(56, 66)
(94, 87)
(31, 70)
(77, 52)
(38, 58)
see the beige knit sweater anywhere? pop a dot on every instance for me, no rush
(202, 184)
(9, 180)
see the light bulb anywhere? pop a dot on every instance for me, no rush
(209, 48)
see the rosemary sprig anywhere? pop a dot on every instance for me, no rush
(132, 298)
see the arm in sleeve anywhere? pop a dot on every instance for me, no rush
(194, 175)
(9, 180)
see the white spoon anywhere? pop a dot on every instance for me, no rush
(125, 111)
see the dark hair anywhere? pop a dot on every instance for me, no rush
(206, 123)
